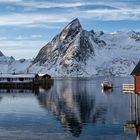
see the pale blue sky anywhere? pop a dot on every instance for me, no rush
(27, 25)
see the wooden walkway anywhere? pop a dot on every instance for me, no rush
(128, 88)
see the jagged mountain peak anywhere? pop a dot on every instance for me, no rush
(74, 24)
(1, 54)
(60, 43)
(71, 30)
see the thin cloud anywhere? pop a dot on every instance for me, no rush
(103, 15)
(17, 48)
(53, 4)
(46, 4)
(3, 38)
(20, 38)
(43, 19)
(60, 4)
(45, 26)
(29, 19)
(10, 1)
(20, 53)
(121, 11)
(36, 36)
(19, 43)
(32, 37)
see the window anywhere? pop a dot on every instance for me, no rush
(8, 79)
(21, 79)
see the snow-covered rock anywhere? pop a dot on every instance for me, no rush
(10, 65)
(77, 52)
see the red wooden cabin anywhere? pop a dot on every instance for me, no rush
(136, 74)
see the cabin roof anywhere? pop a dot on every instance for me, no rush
(17, 75)
(136, 70)
(41, 74)
(44, 75)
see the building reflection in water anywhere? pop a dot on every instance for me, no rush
(73, 105)
(133, 125)
(27, 89)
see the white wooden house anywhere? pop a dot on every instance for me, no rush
(17, 78)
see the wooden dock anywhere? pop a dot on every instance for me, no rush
(129, 88)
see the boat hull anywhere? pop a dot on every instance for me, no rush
(106, 86)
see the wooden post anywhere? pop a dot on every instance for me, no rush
(131, 107)
(136, 109)
(134, 84)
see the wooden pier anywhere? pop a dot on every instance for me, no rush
(128, 88)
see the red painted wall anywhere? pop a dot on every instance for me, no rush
(137, 84)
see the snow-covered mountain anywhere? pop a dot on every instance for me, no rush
(77, 52)
(10, 65)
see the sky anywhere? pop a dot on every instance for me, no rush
(27, 25)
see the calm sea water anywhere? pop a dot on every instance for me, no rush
(72, 109)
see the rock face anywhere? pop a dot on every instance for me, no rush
(1, 54)
(66, 45)
(77, 52)
(68, 51)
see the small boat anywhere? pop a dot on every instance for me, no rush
(106, 85)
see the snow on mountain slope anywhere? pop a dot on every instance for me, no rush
(77, 52)
(10, 65)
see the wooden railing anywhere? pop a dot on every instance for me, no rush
(128, 87)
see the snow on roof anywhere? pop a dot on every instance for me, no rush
(43, 74)
(17, 75)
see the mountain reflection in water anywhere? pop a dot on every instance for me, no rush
(74, 105)
(69, 109)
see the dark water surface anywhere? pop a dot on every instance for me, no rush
(72, 109)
